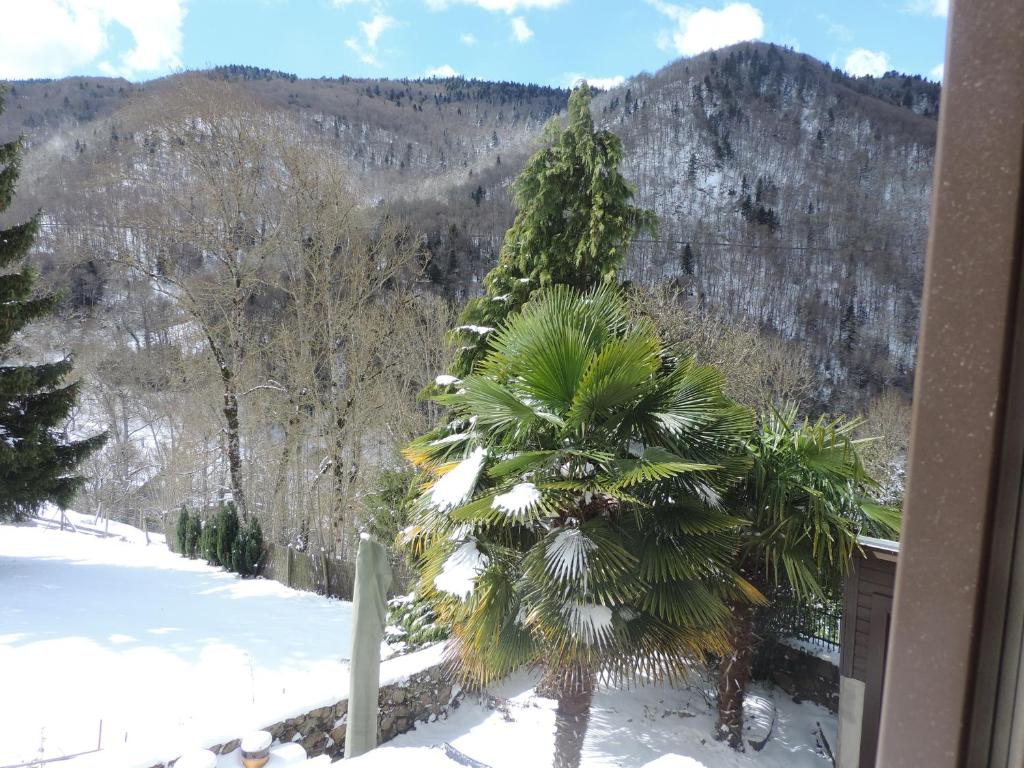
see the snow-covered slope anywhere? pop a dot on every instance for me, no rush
(160, 649)
(76, 522)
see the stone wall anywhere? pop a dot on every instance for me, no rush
(803, 675)
(424, 696)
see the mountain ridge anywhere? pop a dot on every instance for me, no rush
(789, 193)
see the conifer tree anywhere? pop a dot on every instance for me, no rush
(574, 226)
(37, 462)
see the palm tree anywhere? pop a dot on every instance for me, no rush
(803, 504)
(569, 520)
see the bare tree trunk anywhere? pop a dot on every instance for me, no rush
(341, 475)
(574, 693)
(234, 439)
(734, 675)
(281, 480)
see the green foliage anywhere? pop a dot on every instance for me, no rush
(188, 532)
(577, 484)
(37, 463)
(412, 623)
(805, 502)
(192, 534)
(247, 549)
(181, 531)
(208, 541)
(387, 511)
(227, 532)
(574, 226)
(222, 541)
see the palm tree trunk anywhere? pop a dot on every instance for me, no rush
(571, 718)
(734, 675)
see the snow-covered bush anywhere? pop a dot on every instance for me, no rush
(412, 623)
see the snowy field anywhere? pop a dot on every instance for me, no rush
(651, 726)
(168, 653)
(171, 654)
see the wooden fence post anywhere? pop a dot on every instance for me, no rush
(288, 566)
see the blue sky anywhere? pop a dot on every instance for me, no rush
(553, 42)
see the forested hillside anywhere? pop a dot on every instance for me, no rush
(787, 193)
(259, 269)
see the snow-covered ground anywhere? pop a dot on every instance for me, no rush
(171, 654)
(628, 729)
(168, 653)
(50, 517)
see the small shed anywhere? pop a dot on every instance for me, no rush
(867, 612)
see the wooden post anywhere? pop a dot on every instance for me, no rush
(288, 566)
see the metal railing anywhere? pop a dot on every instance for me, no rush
(815, 624)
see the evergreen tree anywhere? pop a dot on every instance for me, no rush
(227, 532)
(848, 328)
(247, 549)
(691, 168)
(570, 519)
(687, 260)
(574, 226)
(208, 541)
(37, 461)
(192, 534)
(181, 534)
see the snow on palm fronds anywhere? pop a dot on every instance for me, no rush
(568, 514)
(518, 500)
(457, 485)
(460, 570)
(567, 553)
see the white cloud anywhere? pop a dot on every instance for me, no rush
(468, 39)
(53, 38)
(445, 70)
(366, 49)
(373, 28)
(705, 29)
(862, 62)
(604, 83)
(937, 72)
(520, 30)
(938, 8)
(495, 6)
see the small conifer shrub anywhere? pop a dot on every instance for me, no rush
(247, 550)
(227, 532)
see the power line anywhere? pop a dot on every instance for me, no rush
(843, 247)
(840, 248)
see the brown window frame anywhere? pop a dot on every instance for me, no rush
(954, 650)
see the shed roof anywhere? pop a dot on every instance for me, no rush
(879, 545)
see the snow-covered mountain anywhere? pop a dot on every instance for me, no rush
(788, 192)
